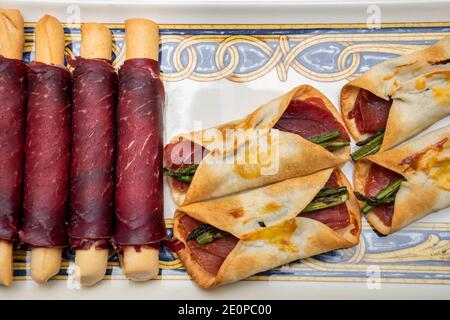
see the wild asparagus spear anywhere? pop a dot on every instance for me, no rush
(206, 233)
(369, 146)
(334, 144)
(324, 140)
(326, 202)
(184, 174)
(325, 137)
(387, 195)
(330, 191)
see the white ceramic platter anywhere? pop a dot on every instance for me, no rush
(413, 263)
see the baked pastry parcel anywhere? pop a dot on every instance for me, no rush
(398, 98)
(234, 237)
(310, 136)
(404, 184)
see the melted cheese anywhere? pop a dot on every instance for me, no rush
(433, 162)
(257, 157)
(441, 95)
(279, 235)
(248, 171)
(271, 207)
(420, 84)
(438, 169)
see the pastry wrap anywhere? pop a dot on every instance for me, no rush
(268, 228)
(424, 163)
(413, 83)
(294, 155)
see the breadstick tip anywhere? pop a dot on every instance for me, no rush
(11, 33)
(96, 41)
(49, 40)
(141, 39)
(142, 265)
(45, 263)
(6, 263)
(91, 265)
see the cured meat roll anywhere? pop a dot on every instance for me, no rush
(13, 73)
(47, 150)
(404, 184)
(397, 99)
(310, 136)
(234, 237)
(139, 202)
(92, 160)
(92, 152)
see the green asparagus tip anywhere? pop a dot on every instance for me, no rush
(371, 147)
(325, 137)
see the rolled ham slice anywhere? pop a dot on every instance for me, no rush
(139, 200)
(47, 157)
(94, 98)
(139, 194)
(13, 75)
(93, 152)
(12, 124)
(47, 150)
(265, 228)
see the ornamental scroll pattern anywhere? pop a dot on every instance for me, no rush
(326, 57)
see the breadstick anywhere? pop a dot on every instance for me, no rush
(96, 43)
(11, 33)
(142, 41)
(49, 39)
(11, 46)
(6, 263)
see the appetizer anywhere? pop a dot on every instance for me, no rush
(404, 184)
(139, 202)
(13, 73)
(397, 99)
(310, 137)
(234, 237)
(92, 160)
(47, 149)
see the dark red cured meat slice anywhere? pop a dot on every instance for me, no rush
(94, 100)
(180, 186)
(183, 153)
(378, 179)
(336, 217)
(47, 161)
(332, 181)
(210, 256)
(139, 180)
(209, 262)
(370, 112)
(309, 118)
(12, 135)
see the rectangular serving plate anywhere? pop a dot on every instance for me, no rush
(270, 55)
